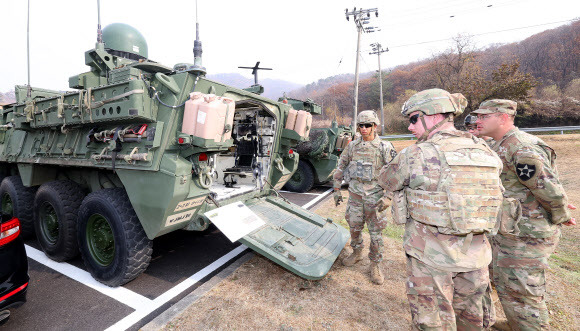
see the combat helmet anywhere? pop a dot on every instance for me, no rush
(368, 116)
(470, 120)
(435, 101)
(432, 102)
(125, 41)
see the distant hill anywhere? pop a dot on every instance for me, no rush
(273, 88)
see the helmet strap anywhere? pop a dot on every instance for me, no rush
(427, 132)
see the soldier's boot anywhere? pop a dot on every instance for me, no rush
(376, 273)
(353, 258)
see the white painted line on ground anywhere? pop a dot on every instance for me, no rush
(315, 200)
(145, 310)
(299, 193)
(121, 294)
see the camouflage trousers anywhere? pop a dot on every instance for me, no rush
(361, 210)
(446, 300)
(519, 272)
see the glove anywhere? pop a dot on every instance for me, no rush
(337, 197)
(384, 203)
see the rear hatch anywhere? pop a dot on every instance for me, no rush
(296, 239)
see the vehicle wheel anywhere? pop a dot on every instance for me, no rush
(112, 241)
(17, 200)
(316, 143)
(302, 180)
(56, 208)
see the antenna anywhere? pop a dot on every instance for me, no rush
(197, 51)
(29, 90)
(99, 31)
(255, 71)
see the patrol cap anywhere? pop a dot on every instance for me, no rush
(497, 106)
(435, 101)
(368, 116)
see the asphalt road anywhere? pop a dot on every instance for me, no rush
(63, 296)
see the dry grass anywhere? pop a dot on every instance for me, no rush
(261, 295)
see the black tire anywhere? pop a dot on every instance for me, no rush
(21, 200)
(302, 180)
(317, 141)
(56, 208)
(113, 244)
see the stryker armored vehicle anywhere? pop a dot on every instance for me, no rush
(320, 153)
(139, 149)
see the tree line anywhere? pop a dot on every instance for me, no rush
(541, 73)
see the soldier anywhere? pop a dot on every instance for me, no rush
(447, 192)
(470, 124)
(359, 166)
(535, 206)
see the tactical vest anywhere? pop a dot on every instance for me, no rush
(366, 162)
(468, 196)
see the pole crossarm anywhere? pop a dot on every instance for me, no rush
(360, 18)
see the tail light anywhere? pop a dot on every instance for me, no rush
(9, 231)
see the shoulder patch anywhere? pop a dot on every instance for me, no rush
(393, 154)
(526, 171)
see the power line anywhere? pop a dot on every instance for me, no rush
(483, 33)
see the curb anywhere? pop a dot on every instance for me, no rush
(174, 311)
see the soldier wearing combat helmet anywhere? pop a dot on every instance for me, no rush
(359, 165)
(533, 210)
(471, 126)
(446, 190)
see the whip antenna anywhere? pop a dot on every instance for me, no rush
(29, 90)
(99, 31)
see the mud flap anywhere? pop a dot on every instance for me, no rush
(296, 239)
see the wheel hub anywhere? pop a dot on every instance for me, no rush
(7, 205)
(49, 223)
(100, 240)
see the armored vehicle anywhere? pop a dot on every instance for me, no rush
(139, 149)
(320, 153)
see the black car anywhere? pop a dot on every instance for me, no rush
(13, 266)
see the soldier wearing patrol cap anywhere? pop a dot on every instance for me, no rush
(447, 192)
(359, 166)
(533, 210)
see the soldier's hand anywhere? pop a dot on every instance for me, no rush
(384, 203)
(337, 197)
(571, 221)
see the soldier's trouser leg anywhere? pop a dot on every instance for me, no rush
(376, 224)
(520, 279)
(444, 300)
(354, 218)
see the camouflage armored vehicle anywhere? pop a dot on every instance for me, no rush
(139, 149)
(320, 153)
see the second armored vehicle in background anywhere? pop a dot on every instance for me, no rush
(319, 155)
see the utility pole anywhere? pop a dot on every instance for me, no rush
(361, 17)
(378, 49)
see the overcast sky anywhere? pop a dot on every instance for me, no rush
(302, 41)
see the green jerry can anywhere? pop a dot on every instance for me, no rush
(138, 149)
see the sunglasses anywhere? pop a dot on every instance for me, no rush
(366, 125)
(413, 119)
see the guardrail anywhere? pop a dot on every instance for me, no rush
(543, 129)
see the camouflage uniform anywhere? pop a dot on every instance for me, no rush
(536, 203)
(447, 192)
(359, 165)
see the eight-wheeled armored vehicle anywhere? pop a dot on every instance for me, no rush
(320, 153)
(139, 149)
